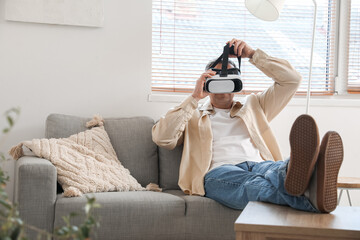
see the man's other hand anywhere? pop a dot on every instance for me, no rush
(199, 92)
(241, 48)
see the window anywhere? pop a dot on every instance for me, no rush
(189, 33)
(354, 48)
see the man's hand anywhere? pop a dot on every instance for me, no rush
(241, 48)
(199, 92)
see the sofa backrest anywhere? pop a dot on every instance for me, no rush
(169, 164)
(130, 137)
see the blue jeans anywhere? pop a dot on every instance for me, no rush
(236, 185)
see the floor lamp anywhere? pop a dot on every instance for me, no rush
(269, 10)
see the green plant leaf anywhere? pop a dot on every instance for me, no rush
(87, 208)
(90, 221)
(90, 200)
(10, 121)
(74, 229)
(15, 234)
(66, 229)
(96, 205)
(85, 231)
(18, 220)
(60, 232)
(5, 204)
(11, 226)
(66, 219)
(15, 112)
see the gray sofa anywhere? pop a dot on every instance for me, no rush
(124, 215)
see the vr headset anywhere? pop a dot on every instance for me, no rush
(226, 80)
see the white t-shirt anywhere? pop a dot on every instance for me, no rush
(231, 140)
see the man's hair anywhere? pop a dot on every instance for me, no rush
(214, 60)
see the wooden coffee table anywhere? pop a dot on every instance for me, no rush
(260, 221)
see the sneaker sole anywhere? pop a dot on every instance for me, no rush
(304, 143)
(329, 162)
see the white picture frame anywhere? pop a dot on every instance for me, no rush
(88, 13)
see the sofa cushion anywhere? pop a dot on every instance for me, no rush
(206, 217)
(130, 137)
(130, 215)
(169, 164)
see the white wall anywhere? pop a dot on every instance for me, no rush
(82, 71)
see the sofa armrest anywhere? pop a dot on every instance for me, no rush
(36, 192)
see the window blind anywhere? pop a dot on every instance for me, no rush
(187, 34)
(354, 49)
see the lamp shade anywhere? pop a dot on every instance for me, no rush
(268, 10)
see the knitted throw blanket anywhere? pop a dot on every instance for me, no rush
(85, 162)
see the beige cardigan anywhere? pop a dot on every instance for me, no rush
(191, 125)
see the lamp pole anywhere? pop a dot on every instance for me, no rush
(269, 10)
(311, 59)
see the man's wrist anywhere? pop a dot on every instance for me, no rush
(196, 98)
(252, 54)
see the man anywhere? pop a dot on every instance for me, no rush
(226, 143)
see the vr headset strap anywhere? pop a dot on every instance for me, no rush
(225, 57)
(224, 72)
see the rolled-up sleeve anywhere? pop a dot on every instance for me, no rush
(168, 131)
(286, 82)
